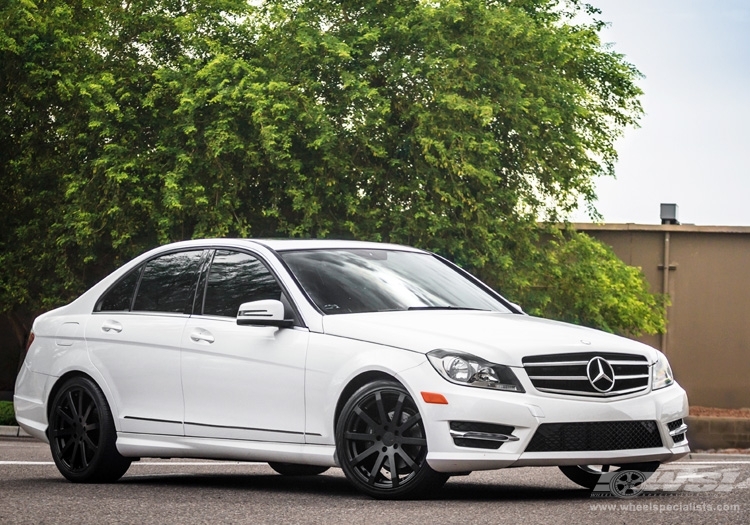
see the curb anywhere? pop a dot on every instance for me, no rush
(716, 456)
(12, 431)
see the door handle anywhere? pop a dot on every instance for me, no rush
(111, 326)
(202, 336)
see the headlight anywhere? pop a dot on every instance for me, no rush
(469, 370)
(661, 372)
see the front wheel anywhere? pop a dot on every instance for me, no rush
(82, 434)
(382, 445)
(588, 476)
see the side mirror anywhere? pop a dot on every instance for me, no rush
(268, 312)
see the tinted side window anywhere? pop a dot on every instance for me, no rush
(236, 278)
(119, 298)
(168, 283)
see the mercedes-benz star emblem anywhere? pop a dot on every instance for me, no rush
(601, 374)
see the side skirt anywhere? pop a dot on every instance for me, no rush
(158, 446)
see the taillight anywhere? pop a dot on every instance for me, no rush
(29, 341)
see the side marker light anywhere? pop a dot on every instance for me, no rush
(436, 399)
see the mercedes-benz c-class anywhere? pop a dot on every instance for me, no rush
(386, 361)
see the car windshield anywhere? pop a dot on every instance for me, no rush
(341, 281)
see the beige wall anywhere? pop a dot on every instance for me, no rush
(708, 333)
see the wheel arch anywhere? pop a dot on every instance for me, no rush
(355, 384)
(60, 382)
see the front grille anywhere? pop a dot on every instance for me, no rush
(605, 435)
(568, 373)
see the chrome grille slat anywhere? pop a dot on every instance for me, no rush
(562, 363)
(583, 378)
(561, 378)
(572, 363)
(592, 394)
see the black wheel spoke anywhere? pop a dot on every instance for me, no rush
(398, 409)
(90, 444)
(65, 416)
(409, 461)
(72, 405)
(366, 418)
(413, 420)
(367, 453)
(91, 426)
(422, 442)
(66, 447)
(84, 460)
(381, 409)
(74, 453)
(376, 468)
(88, 411)
(359, 436)
(394, 468)
(80, 403)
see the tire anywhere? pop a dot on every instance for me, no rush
(382, 446)
(587, 476)
(82, 434)
(293, 469)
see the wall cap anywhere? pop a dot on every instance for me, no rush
(678, 228)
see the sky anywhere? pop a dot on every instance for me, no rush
(693, 144)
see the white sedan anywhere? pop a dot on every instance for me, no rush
(386, 361)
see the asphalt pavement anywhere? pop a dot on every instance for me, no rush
(706, 489)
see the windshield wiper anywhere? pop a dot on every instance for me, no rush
(444, 308)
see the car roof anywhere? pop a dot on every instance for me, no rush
(281, 245)
(322, 244)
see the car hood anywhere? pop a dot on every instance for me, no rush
(497, 337)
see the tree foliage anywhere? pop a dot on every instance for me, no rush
(453, 125)
(572, 277)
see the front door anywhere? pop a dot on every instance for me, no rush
(241, 382)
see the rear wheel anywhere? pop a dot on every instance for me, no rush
(293, 469)
(82, 434)
(382, 445)
(588, 476)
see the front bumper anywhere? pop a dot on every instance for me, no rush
(525, 412)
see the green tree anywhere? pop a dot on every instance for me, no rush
(572, 277)
(454, 125)
(38, 57)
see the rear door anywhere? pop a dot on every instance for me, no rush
(134, 340)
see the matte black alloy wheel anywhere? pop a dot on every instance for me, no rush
(588, 476)
(82, 434)
(382, 445)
